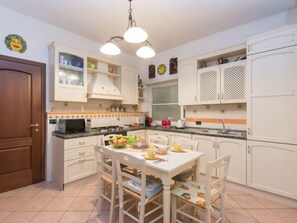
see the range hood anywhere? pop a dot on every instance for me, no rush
(102, 86)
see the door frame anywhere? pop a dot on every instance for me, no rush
(43, 102)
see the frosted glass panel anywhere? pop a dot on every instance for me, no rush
(161, 112)
(165, 95)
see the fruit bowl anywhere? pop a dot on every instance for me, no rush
(119, 142)
(117, 145)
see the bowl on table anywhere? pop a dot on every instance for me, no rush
(118, 143)
(160, 150)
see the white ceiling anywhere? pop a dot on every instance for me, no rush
(169, 23)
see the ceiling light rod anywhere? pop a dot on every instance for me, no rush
(133, 34)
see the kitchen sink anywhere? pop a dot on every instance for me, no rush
(211, 131)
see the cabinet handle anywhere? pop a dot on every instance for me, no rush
(249, 131)
(195, 98)
(218, 96)
(214, 145)
(218, 145)
(249, 150)
(82, 142)
(82, 153)
(81, 160)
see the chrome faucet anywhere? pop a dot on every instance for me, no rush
(223, 130)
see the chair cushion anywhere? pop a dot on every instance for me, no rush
(191, 191)
(183, 176)
(153, 186)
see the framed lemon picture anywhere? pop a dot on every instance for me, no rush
(161, 69)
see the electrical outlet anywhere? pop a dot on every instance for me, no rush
(198, 122)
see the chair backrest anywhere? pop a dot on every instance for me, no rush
(159, 139)
(108, 137)
(215, 186)
(105, 163)
(126, 179)
(186, 143)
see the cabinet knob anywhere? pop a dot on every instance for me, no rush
(249, 130)
(82, 142)
(82, 153)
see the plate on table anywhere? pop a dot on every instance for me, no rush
(178, 151)
(149, 158)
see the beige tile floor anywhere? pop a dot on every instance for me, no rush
(43, 203)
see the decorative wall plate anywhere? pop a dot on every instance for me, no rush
(161, 69)
(15, 43)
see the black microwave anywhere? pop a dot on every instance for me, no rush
(68, 126)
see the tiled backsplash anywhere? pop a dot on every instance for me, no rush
(233, 115)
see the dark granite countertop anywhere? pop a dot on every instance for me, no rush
(235, 134)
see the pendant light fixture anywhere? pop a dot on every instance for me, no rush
(133, 34)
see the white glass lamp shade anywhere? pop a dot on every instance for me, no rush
(110, 49)
(145, 52)
(135, 35)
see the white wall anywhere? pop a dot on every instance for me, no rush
(228, 38)
(216, 42)
(39, 35)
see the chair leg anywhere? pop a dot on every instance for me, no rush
(121, 215)
(207, 215)
(222, 207)
(173, 209)
(141, 212)
(99, 204)
(112, 204)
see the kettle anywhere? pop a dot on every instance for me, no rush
(180, 124)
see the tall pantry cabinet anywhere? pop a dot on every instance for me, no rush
(272, 111)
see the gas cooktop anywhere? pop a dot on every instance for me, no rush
(108, 129)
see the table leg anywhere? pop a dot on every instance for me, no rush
(197, 170)
(166, 202)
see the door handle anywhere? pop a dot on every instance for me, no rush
(34, 125)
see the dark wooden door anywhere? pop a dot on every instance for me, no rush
(21, 123)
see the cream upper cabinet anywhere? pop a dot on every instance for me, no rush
(187, 82)
(209, 85)
(222, 83)
(104, 79)
(233, 82)
(129, 85)
(272, 167)
(275, 39)
(272, 99)
(67, 74)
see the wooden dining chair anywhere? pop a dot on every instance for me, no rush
(185, 144)
(108, 137)
(136, 191)
(202, 197)
(158, 139)
(107, 180)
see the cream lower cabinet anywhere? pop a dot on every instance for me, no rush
(272, 167)
(215, 147)
(170, 135)
(138, 133)
(73, 159)
(237, 166)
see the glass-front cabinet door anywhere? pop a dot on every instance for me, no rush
(68, 73)
(71, 69)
